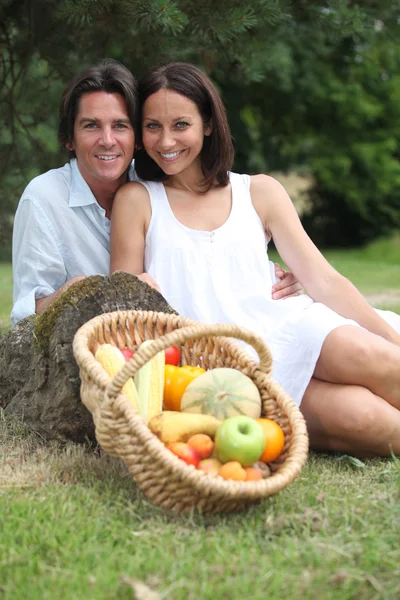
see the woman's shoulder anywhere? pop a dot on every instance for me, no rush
(259, 183)
(132, 190)
(264, 182)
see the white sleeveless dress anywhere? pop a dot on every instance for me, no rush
(224, 276)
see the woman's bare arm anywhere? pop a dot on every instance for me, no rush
(322, 282)
(131, 214)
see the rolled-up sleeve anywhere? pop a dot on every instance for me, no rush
(38, 264)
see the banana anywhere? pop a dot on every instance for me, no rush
(172, 426)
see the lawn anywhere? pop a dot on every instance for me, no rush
(74, 526)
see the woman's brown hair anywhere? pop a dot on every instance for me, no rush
(217, 152)
(107, 76)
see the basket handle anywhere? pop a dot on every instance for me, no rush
(183, 334)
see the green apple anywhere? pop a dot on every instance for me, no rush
(240, 438)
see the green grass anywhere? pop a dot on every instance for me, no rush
(5, 295)
(374, 270)
(74, 526)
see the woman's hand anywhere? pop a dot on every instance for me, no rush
(287, 287)
(150, 281)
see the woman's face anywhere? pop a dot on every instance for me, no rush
(173, 131)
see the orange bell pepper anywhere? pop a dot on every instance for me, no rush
(176, 380)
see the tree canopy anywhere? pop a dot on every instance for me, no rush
(307, 85)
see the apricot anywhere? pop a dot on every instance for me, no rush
(253, 474)
(202, 443)
(232, 470)
(211, 466)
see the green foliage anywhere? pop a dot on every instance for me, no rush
(355, 156)
(309, 85)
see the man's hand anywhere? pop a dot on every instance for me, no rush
(150, 281)
(287, 287)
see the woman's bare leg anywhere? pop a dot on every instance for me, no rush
(352, 355)
(350, 419)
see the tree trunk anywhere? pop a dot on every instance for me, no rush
(39, 378)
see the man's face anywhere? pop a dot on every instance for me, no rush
(104, 139)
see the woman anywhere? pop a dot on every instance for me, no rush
(201, 233)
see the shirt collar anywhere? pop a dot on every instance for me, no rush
(80, 193)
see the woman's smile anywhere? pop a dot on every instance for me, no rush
(171, 156)
(173, 132)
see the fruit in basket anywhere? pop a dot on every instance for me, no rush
(222, 393)
(211, 466)
(202, 443)
(172, 426)
(127, 353)
(112, 360)
(184, 452)
(232, 470)
(149, 381)
(274, 440)
(239, 439)
(263, 468)
(176, 380)
(172, 355)
(253, 474)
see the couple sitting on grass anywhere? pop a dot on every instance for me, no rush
(189, 226)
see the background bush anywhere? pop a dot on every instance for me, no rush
(309, 87)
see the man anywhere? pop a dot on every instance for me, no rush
(62, 224)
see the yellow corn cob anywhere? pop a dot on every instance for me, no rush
(112, 360)
(149, 382)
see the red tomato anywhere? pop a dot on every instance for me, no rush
(172, 356)
(127, 353)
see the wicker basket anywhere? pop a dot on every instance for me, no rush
(165, 479)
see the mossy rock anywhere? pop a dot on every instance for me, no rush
(38, 373)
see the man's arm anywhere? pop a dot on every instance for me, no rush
(286, 285)
(38, 266)
(43, 303)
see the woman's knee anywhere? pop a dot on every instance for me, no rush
(351, 355)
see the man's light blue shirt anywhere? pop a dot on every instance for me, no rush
(60, 231)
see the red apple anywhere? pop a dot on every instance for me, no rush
(184, 452)
(127, 353)
(172, 356)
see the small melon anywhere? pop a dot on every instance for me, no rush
(222, 393)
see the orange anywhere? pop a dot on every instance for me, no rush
(275, 440)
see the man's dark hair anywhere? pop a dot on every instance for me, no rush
(217, 152)
(107, 76)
